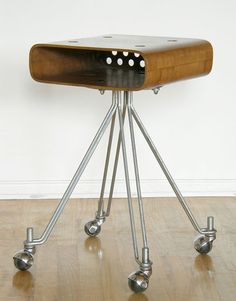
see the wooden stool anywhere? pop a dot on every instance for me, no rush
(123, 64)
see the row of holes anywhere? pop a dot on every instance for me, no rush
(125, 53)
(120, 62)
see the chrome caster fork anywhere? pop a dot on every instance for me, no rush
(204, 242)
(138, 281)
(24, 259)
(93, 228)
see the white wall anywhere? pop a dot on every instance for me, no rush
(45, 129)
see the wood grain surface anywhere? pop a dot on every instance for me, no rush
(72, 266)
(156, 61)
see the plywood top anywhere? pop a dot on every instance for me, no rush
(139, 62)
(136, 43)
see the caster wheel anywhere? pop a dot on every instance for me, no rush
(138, 282)
(23, 260)
(92, 228)
(202, 244)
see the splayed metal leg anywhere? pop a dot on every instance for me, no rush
(138, 281)
(24, 259)
(207, 234)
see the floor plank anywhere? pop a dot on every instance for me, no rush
(72, 266)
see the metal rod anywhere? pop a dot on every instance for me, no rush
(210, 223)
(77, 175)
(168, 175)
(145, 255)
(115, 163)
(127, 180)
(136, 170)
(29, 234)
(101, 198)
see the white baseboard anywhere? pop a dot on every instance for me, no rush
(45, 189)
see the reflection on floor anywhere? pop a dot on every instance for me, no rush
(72, 266)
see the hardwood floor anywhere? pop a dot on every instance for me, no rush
(73, 267)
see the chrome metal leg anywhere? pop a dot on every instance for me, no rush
(30, 243)
(210, 232)
(135, 161)
(138, 281)
(115, 165)
(100, 212)
(127, 180)
(93, 228)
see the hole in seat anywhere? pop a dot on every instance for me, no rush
(131, 62)
(120, 62)
(142, 63)
(108, 60)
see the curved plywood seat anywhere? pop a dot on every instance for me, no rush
(120, 62)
